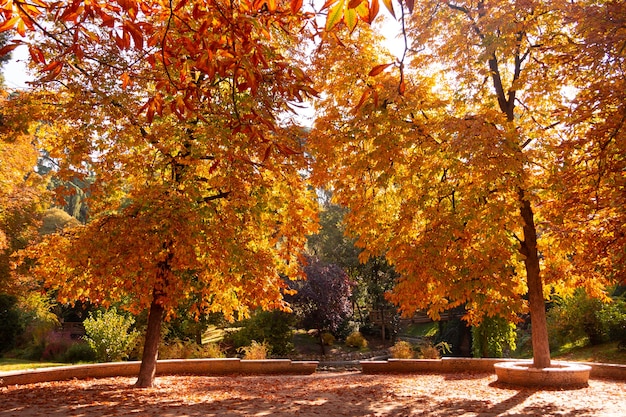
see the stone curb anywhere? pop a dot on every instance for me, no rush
(236, 366)
(459, 365)
(221, 366)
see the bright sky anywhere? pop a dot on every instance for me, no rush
(15, 73)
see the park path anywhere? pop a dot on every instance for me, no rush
(322, 394)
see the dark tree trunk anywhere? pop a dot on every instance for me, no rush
(151, 345)
(382, 325)
(320, 335)
(528, 248)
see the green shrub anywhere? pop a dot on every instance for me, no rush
(10, 327)
(492, 337)
(582, 317)
(356, 339)
(272, 327)
(78, 352)
(402, 350)
(109, 335)
(255, 351)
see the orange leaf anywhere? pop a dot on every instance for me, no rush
(389, 6)
(9, 24)
(374, 9)
(364, 97)
(354, 4)
(378, 69)
(296, 5)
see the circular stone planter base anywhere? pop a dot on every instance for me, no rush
(558, 375)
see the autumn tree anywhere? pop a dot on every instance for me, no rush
(177, 113)
(451, 167)
(22, 190)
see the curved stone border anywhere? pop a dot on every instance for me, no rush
(559, 374)
(454, 365)
(221, 366)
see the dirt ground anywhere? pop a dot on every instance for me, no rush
(320, 394)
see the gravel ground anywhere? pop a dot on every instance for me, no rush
(320, 394)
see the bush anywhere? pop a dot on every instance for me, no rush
(78, 352)
(356, 339)
(492, 337)
(109, 336)
(189, 350)
(272, 327)
(430, 351)
(255, 351)
(402, 350)
(582, 317)
(328, 339)
(10, 327)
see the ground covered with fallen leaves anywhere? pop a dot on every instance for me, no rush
(320, 394)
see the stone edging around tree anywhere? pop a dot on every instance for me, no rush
(460, 365)
(236, 366)
(219, 366)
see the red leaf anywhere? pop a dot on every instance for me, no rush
(8, 48)
(378, 69)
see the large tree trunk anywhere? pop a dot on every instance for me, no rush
(541, 347)
(151, 345)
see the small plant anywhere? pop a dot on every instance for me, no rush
(402, 350)
(328, 339)
(430, 351)
(189, 350)
(109, 336)
(356, 339)
(79, 352)
(255, 351)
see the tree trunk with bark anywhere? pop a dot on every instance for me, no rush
(147, 370)
(528, 248)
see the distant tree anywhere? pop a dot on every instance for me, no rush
(372, 278)
(323, 299)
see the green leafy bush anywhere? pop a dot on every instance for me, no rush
(493, 337)
(272, 327)
(356, 339)
(109, 335)
(583, 317)
(10, 327)
(78, 352)
(402, 350)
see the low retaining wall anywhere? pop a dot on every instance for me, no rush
(235, 366)
(457, 365)
(225, 366)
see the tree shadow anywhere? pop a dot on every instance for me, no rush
(352, 395)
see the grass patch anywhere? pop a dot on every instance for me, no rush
(422, 329)
(8, 364)
(604, 353)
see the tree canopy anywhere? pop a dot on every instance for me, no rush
(177, 114)
(455, 169)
